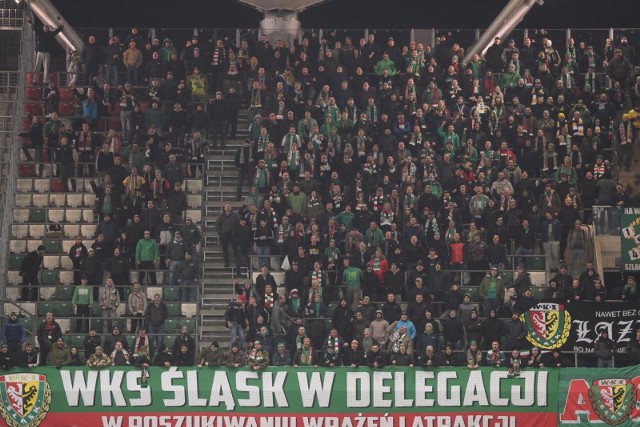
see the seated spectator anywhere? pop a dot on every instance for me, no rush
(212, 356)
(99, 359)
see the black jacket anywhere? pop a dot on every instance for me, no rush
(45, 40)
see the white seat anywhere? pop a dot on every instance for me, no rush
(194, 201)
(25, 185)
(74, 200)
(40, 200)
(66, 245)
(73, 215)
(12, 293)
(189, 310)
(46, 292)
(32, 245)
(65, 325)
(151, 291)
(51, 262)
(71, 231)
(36, 231)
(89, 200)
(17, 246)
(23, 200)
(88, 230)
(65, 263)
(14, 278)
(84, 186)
(66, 277)
(20, 216)
(57, 200)
(20, 231)
(41, 185)
(87, 215)
(56, 216)
(194, 186)
(195, 214)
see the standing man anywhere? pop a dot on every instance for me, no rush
(29, 270)
(236, 320)
(352, 279)
(551, 233)
(49, 330)
(219, 113)
(243, 161)
(156, 314)
(82, 302)
(577, 245)
(13, 334)
(227, 228)
(147, 256)
(44, 45)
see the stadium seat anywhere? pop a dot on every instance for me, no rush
(73, 215)
(24, 185)
(41, 185)
(63, 309)
(67, 94)
(13, 277)
(189, 310)
(34, 108)
(15, 261)
(66, 108)
(17, 246)
(37, 231)
(74, 200)
(51, 262)
(37, 215)
(20, 215)
(170, 294)
(66, 277)
(50, 277)
(538, 292)
(171, 326)
(89, 200)
(40, 200)
(53, 246)
(189, 323)
(88, 231)
(76, 340)
(195, 214)
(23, 200)
(64, 293)
(194, 201)
(57, 200)
(44, 307)
(20, 231)
(71, 231)
(56, 216)
(87, 215)
(34, 93)
(194, 186)
(169, 340)
(174, 309)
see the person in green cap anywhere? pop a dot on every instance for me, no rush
(474, 355)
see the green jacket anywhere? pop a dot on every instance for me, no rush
(297, 202)
(57, 356)
(147, 250)
(388, 64)
(82, 295)
(486, 283)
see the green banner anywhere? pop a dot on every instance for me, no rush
(301, 397)
(597, 396)
(630, 239)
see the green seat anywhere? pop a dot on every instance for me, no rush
(27, 323)
(169, 340)
(331, 308)
(473, 292)
(77, 340)
(538, 263)
(538, 292)
(98, 325)
(507, 277)
(14, 261)
(44, 308)
(50, 277)
(189, 323)
(63, 293)
(37, 215)
(63, 309)
(170, 294)
(171, 326)
(53, 246)
(96, 310)
(174, 310)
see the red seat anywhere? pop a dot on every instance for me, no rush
(116, 110)
(56, 186)
(30, 78)
(65, 108)
(26, 123)
(144, 106)
(34, 93)
(115, 124)
(33, 109)
(67, 94)
(26, 170)
(54, 78)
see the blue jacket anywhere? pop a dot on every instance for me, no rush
(13, 333)
(411, 329)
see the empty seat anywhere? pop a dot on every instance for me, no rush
(189, 323)
(87, 215)
(53, 246)
(88, 230)
(37, 215)
(66, 94)
(20, 231)
(56, 216)
(171, 326)
(89, 200)
(50, 277)
(66, 263)
(32, 245)
(65, 108)
(13, 277)
(40, 200)
(57, 200)
(25, 185)
(195, 214)
(66, 277)
(73, 215)
(71, 230)
(36, 231)
(34, 93)
(174, 310)
(20, 215)
(17, 246)
(33, 108)
(170, 294)
(194, 186)
(66, 245)
(23, 200)
(64, 309)
(189, 310)
(51, 262)
(194, 201)
(74, 200)
(44, 307)
(41, 185)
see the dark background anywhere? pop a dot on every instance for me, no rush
(347, 14)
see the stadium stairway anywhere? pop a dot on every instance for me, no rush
(218, 281)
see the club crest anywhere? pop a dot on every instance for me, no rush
(549, 325)
(613, 400)
(25, 399)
